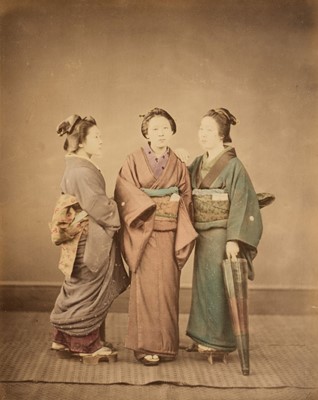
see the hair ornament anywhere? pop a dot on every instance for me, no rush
(89, 118)
(68, 125)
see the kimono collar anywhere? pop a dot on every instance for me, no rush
(82, 158)
(212, 161)
(151, 154)
(157, 163)
(204, 175)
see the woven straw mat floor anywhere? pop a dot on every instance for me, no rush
(283, 353)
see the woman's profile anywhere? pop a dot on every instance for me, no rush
(84, 223)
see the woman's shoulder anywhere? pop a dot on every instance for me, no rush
(197, 159)
(79, 168)
(195, 162)
(235, 161)
(136, 154)
(176, 161)
(76, 162)
(236, 166)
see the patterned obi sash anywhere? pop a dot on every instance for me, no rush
(210, 205)
(166, 213)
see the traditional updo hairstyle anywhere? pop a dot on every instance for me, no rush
(76, 129)
(224, 119)
(156, 112)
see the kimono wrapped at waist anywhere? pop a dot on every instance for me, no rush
(210, 205)
(166, 213)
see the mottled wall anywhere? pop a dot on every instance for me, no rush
(116, 59)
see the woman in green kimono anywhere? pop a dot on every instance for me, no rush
(228, 221)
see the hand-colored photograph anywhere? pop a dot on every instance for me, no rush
(159, 161)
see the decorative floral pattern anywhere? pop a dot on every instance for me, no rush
(66, 230)
(208, 210)
(166, 209)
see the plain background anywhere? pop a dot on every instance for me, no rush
(117, 59)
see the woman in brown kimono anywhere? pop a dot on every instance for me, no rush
(84, 223)
(153, 193)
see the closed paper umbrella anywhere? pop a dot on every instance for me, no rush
(235, 279)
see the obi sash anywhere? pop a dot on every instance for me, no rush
(68, 220)
(68, 224)
(210, 205)
(166, 213)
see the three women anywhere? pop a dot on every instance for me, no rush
(153, 195)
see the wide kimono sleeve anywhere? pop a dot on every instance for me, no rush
(186, 234)
(185, 190)
(245, 221)
(136, 212)
(88, 186)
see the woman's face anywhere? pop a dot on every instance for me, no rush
(159, 132)
(209, 134)
(93, 143)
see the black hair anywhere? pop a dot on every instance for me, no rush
(224, 120)
(157, 112)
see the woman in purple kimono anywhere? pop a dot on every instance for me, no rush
(228, 221)
(84, 223)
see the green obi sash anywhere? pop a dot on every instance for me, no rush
(161, 192)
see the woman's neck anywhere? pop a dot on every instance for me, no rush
(212, 153)
(82, 153)
(158, 151)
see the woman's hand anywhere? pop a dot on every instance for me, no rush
(232, 249)
(183, 154)
(175, 197)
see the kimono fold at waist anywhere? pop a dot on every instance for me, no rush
(166, 213)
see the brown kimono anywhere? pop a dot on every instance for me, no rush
(157, 239)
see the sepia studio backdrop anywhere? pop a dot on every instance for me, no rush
(117, 59)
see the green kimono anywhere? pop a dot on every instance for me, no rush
(235, 216)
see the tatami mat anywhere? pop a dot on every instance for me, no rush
(162, 391)
(283, 354)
